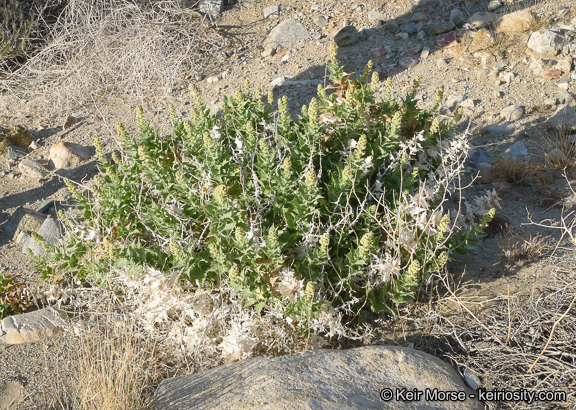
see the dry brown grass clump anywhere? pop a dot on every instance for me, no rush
(519, 172)
(103, 48)
(519, 247)
(116, 368)
(559, 148)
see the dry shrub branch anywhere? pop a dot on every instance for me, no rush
(103, 48)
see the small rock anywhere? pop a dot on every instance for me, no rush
(516, 151)
(11, 394)
(563, 118)
(23, 220)
(277, 82)
(477, 158)
(320, 21)
(485, 171)
(487, 59)
(409, 28)
(448, 40)
(482, 40)
(564, 64)
(375, 15)
(468, 103)
(454, 100)
(32, 169)
(269, 52)
(68, 154)
(402, 36)
(493, 5)
(482, 19)
(566, 98)
(16, 152)
(392, 27)
(516, 22)
(441, 27)
(379, 52)
(271, 11)
(70, 121)
(286, 34)
(553, 73)
(213, 79)
(457, 18)
(211, 7)
(31, 327)
(33, 145)
(347, 36)
(501, 130)
(50, 231)
(472, 379)
(555, 155)
(547, 42)
(425, 53)
(407, 62)
(46, 206)
(512, 113)
(421, 35)
(507, 77)
(441, 63)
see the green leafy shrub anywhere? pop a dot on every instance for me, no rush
(344, 207)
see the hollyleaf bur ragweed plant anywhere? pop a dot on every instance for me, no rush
(344, 208)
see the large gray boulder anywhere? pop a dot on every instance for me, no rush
(320, 379)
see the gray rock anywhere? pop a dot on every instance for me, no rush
(441, 27)
(454, 100)
(375, 15)
(500, 130)
(16, 152)
(512, 113)
(11, 394)
(347, 36)
(392, 27)
(555, 155)
(407, 62)
(485, 170)
(320, 21)
(564, 118)
(31, 327)
(547, 42)
(482, 19)
(271, 12)
(566, 98)
(46, 206)
(409, 28)
(50, 231)
(23, 219)
(286, 34)
(32, 169)
(516, 151)
(320, 379)
(457, 18)
(478, 158)
(211, 7)
(493, 5)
